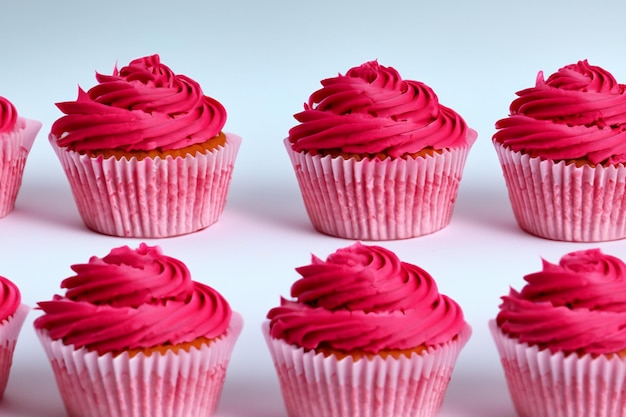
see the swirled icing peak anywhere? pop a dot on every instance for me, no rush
(142, 107)
(577, 305)
(10, 298)
(364, 298)
(133, 299)
(579, 112)
(372, 110)
(8, 115)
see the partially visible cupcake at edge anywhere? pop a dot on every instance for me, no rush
(562, 338)
(364, 335)
(17, 135)
(133, 335)
(145, 153)
(562, 150)
(12, 315)
(378, 157)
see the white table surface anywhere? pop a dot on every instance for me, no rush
(262, 60)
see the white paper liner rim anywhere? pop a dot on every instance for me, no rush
(153, 197)
(315, 385)
(564, 202)
(181, 384)
(375, 199)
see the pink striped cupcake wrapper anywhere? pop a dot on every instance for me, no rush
(375, 199)
(9, 332)
(316, 385)
(560, 201)
(14, 149)
(545, 384)
(174, 384)
(151, 198)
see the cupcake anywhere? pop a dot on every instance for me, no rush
(12, 316)
(134, 336)
(366, 335)
(144, 152)
(562, 338)
(377, 157)
(17, 135)
(562, 152)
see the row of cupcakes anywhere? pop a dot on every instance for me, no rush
(363, 334)
(377, 157)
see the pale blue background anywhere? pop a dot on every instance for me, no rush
(262, 60)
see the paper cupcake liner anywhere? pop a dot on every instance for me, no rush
(14, 149)
(181, 384)
(564, 202)
(316, 385)
(151, 198)
(545, 384)
(375, 199)
(9, 332)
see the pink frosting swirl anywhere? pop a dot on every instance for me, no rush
(364, 298)
(372, 110)
(144, 107)
(578, 112)
(10, 298)
(578, 305)
(133, 299)
(8, 115)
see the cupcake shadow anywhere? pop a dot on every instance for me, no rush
(485, 397)
(50, 202)
(486, 207)
(262, 399)
(279, 204)
(274, 203)
(45, 403)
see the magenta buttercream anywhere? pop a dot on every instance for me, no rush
(142, 107)
(8, 115)
(577, 305)
(372, 110)
(578, 112)
(364, 298)
(10, 298)
(131, 299)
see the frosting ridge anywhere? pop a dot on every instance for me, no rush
(577, 305)
(364, 298)
(10, 298)
(143, 106)
(133, 298)
(8, 115)
(372, 110)
(578, 112)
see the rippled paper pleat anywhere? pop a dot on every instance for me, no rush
(14, 149)
(181, 384)
(316, 385)
(9, 332)
(545, 384)
(153, 197)
(375, 199)
(564, 202)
